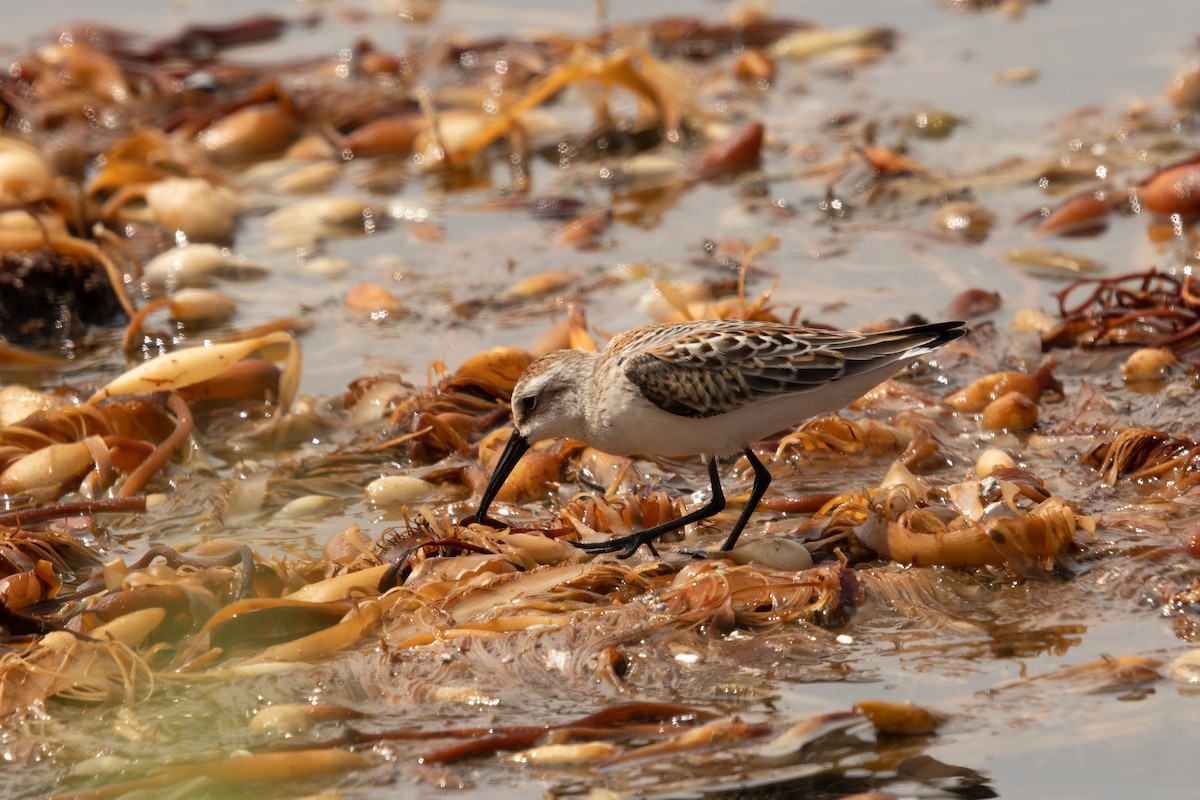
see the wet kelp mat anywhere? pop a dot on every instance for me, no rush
(224, 577)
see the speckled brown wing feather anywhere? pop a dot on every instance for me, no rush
(726, 365)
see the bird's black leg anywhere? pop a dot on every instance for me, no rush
(629, 544)
(762, 479)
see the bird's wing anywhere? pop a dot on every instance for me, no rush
(704, 372)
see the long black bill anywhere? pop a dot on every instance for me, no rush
(517, 445)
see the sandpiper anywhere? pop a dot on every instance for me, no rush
(709, 388)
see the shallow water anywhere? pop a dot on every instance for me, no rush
(879, 262)
(845, 274)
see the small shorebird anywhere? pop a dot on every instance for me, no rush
(708, 388)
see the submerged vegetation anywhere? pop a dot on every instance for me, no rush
(222, 577)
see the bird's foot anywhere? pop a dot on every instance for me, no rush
(628, 545)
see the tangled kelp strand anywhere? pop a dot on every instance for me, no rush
(1147, 309)
(895, 523)
(844, 436)
(637, 71)
(190, 366)
(591, 516)
(20, 589)
(482, 599)
(48, 452)
(1167, 461)
(65, 666)
(725, 595)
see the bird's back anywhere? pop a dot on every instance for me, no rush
(713, 367)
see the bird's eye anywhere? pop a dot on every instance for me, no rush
(526, 404)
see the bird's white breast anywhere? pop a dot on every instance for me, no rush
(623, 422)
